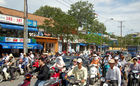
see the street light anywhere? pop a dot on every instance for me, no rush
(102, 33)
(121, 26)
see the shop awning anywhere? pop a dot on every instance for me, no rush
(8, 26)
(103, 46)
(82, 44)
(20, 46)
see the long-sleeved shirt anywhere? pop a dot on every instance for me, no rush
(43, 72)
(136, 67)
(123, 62)
(80, 74)
(114, 74)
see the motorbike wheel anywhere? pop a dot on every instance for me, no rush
(17, 75)
(1, 78)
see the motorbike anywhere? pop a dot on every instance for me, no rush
(54, 78)
(103, 82)
(93, 74)
(73, 82)
(134, 78)
(27, 80)
(1, 73)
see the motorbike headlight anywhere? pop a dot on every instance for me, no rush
(136, 76)
(102, 79)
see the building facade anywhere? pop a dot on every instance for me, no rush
(11, 32)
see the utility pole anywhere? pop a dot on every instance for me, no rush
(121, 25)
(25, 44)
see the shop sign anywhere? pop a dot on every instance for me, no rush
(11, 19)
(10, 39)
(16, 20)
(32, 23)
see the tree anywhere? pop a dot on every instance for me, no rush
(84, 14)
(67, 26)
(131, 39)
(49, 12)
(63, 25)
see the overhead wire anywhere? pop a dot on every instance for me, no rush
(63, 3)
(67, 2)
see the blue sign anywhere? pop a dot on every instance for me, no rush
(32, 23)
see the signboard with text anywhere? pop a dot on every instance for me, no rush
(16, 20)
(10, 39)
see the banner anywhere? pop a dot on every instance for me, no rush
(16, 20)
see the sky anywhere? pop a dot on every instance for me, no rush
(127, 11)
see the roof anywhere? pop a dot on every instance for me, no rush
(41, 37)
(7, 11)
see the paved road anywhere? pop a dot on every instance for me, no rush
(16, 82)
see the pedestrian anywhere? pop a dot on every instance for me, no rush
(113, 75)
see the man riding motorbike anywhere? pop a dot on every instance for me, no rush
(113, 75)
(79, 72)
(43, 73)
(133, 67)
(12, 65)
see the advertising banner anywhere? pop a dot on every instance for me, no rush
(16, 20)
(10, 39)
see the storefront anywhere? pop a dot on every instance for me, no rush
(50, 44)
(11, 34)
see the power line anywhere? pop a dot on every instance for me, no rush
(67, 2)
(62, 3)
(70, 1)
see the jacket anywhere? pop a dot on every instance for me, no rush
(43, 73)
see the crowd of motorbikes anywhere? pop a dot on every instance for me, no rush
(55, 73)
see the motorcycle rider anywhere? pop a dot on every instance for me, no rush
(43, 73)
(25, 63)
(95, 59)
(105, 65)
(79, 72)
(12, 65)
(135, 66)
(117, 63)
(113, 75)
(6, 62)
(74, 64)
(60, 63)
(138, 56)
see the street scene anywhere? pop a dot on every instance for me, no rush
(69, 43)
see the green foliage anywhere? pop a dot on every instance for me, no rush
(83, 12)
(131, 40)
(62, 23)
(49, 12)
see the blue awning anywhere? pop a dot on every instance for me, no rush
(8, 26)
(20, 46)
(82, 44)
(103, 46)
